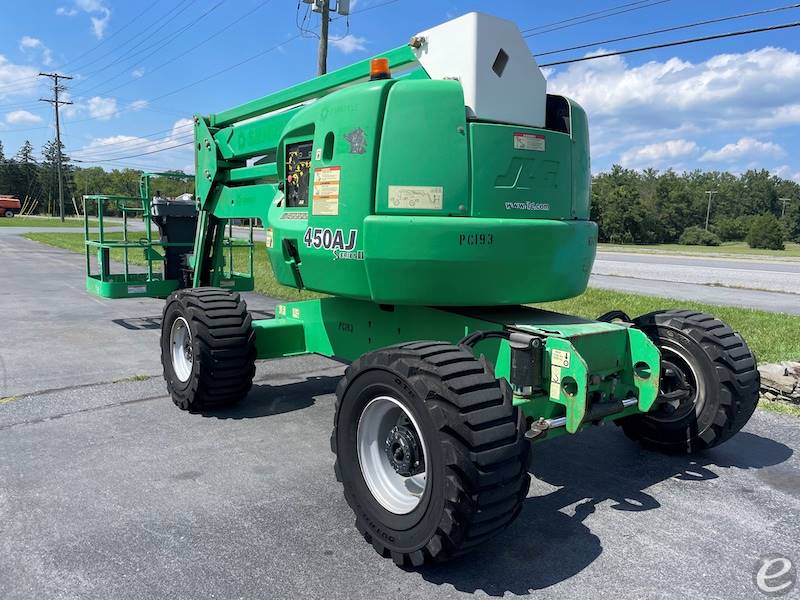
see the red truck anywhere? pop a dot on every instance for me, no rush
(9, 206)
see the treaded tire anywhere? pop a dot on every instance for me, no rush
(477, 462)
(8, 214)
(223, 348)
(727, 382)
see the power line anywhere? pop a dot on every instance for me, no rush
(165, 19)
(110, 37)
(228, 68)
(192, 48)
(155, 48)
(668, 29)
(136, 155)
(596, 15)
(677, 43)
(97, 151)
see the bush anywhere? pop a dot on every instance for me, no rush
(765, 232)
(697, 236)
(732, 229)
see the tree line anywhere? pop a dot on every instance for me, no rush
(652, 207)
(36, 179)
(639, 207)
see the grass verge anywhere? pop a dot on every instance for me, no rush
(782, 408)
(41, 222)
(726, 249)
(772, 336)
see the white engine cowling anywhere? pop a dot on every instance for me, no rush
(489, 56)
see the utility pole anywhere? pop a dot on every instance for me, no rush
(708, 210)
(783, 210)
(322, 57)
(56, 104)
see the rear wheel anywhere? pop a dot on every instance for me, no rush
(9, 213)
(207, 348)
(430, 450)
(708, 387)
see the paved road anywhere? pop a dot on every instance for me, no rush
(107, 491)
(752, 283)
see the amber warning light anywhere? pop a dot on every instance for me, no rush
(379, 69)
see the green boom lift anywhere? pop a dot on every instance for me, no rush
(433, 196)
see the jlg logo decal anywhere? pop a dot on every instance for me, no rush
(330, 239)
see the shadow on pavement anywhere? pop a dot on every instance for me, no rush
(154, 322)
(545, 546)
(266, 400)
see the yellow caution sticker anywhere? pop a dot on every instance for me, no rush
(326, 191)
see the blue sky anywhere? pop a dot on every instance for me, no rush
(728, 104)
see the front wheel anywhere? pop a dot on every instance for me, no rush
(708, 387)
(207, 348)
(430, 451)
(9, 213)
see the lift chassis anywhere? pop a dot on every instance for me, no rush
(432, 228)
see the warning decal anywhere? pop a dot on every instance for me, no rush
(416, 197)
(325, 200)
(528, 141)
(555, 382)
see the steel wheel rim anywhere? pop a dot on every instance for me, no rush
(396, 493)
(694, 403)
(180, 341)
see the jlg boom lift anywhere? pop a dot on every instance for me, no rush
(433, 192)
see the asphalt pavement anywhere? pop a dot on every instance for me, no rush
(108, 491)
(762, 283)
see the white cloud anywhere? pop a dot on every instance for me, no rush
(137, 73)
(349, 43)
(658, 154)
(17, 80)
(31, 43)
(745, 148)
(165, 157)
(99, 14)
(102, 108)
(628, 106)
(727, 89)
(784, 116)
(786, 172)
(22, 116)
(138, 104)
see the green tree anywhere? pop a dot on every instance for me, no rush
(48, 177)
(765, 232)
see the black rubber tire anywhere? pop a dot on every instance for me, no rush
(478, 456)
(223, 344)
(727, 386)
(9, 214)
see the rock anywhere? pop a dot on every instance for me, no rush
(781, 381)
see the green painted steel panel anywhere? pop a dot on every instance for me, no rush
(520, 172)
(472, 261)
(581, 166)
(600, 358)
(423, 150)
(279, 337)
(135, 285)
(344, 130)
(313, 88)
